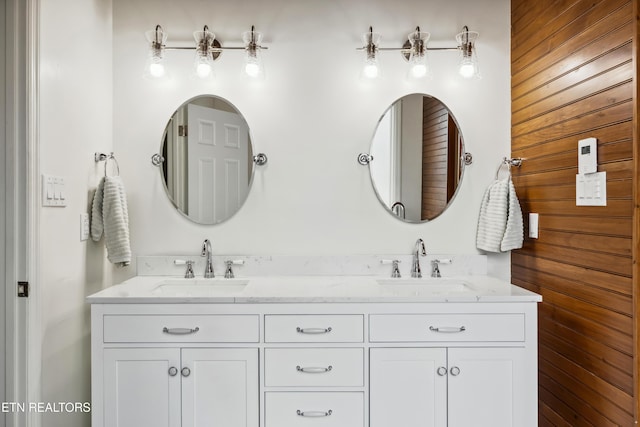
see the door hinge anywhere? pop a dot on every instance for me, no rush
(183, 130)
(23, 289)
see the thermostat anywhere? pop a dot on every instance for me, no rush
(587, 155)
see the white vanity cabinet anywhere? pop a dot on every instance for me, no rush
(343, 363)
(476, 370)
(314, 370)
(180, 387)
(174, 370)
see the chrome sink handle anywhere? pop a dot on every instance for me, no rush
(188, 274)
(395, 271)
(228, 274)
(435, 266)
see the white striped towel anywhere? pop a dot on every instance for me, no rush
(500, 224)
(109, 215)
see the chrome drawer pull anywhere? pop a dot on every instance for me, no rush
(455, 371)
(180, 331)
(173, 371)
(442, 371)
(185, 372)
(314, 370)
(314, 414)
(313, 330)
(447, 329)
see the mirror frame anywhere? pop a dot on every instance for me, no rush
(464, 160)
(253, 158)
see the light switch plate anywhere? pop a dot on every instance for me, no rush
(84, 227)
(533, 225)
(591, 189)
(53, 191)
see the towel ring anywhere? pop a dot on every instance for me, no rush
(508, 163)
(106, 165)
(508, 166)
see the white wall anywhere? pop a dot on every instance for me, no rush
(75, 107)
(311, 116)
(412, 130)
(3, 204)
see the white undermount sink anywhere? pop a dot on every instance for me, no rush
(425, 285)
(200, 287)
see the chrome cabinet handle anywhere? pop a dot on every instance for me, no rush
(173, 371)
(185, 372)
(442, 371)
(314, 414)
(447, 329)
(455, 371)
(314, 370)
(180, 331)
(313, 330)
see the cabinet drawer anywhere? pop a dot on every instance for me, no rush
(446, 327)
(314, 367)
(314, 409)
(181, 328)
(314, 328)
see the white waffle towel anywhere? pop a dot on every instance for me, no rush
(500, 224)
(109, 215)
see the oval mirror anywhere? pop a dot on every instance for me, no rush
(208, 159)
(417, 161)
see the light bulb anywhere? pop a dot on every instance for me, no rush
(418, 71)
(203, 70)
(370, 69)
(156, 69)
(467, 70)
(252, 69)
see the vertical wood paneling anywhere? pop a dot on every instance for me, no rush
(636, 213)
(435, 143)
(573, 75)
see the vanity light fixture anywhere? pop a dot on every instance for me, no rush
(207, 50)
(253, 66)
(418, 66)
(468, 58)
(371, 68)
(205, 43)
(414, 51)
(155, 59)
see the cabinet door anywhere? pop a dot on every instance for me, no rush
(220, 388)
(487, 387)
(406, 389)
(139, 389)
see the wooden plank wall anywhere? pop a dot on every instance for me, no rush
(435, 145)
(572, 77)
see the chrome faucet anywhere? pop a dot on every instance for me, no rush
(419, 251)
(206, 252)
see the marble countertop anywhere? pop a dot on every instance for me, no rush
(311, 289)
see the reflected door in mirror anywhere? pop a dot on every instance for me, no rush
(208, 166)
(218, 170)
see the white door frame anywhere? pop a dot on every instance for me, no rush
(23, 354)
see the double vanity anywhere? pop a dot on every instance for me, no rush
(331, 350)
